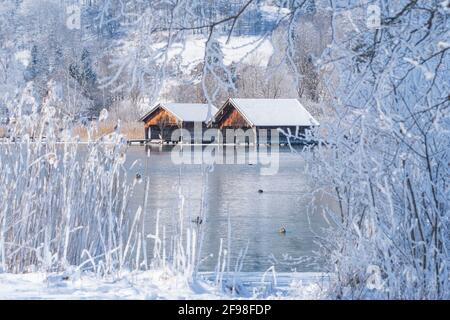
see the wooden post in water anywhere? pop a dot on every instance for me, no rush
(255, 136)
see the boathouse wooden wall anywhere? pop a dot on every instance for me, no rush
(161, 124)
(233, 119)
(159, 116)
(230, 118)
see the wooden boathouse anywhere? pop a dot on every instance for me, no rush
(284, 115)
(164, 118)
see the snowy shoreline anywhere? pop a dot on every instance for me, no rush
(153, 285)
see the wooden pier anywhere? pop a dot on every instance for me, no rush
(143, 142)
(137, 141)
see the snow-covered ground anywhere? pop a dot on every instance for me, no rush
(248, 49)
(160, 285)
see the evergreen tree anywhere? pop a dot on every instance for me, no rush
(88, 74)
(84, 74)
(310, 7)
(33, 68)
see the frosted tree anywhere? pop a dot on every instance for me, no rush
(385, 157)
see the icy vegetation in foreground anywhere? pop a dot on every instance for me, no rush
(66, 230)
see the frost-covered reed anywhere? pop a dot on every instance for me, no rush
(66, 204)
(61, 203)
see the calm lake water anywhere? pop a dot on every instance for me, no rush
(233, 199)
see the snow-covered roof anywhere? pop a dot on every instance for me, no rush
(187, 112)
(274, 112)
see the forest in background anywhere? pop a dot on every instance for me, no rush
(118, 55)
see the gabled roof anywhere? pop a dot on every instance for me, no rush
(274, 112)
(186, 112)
